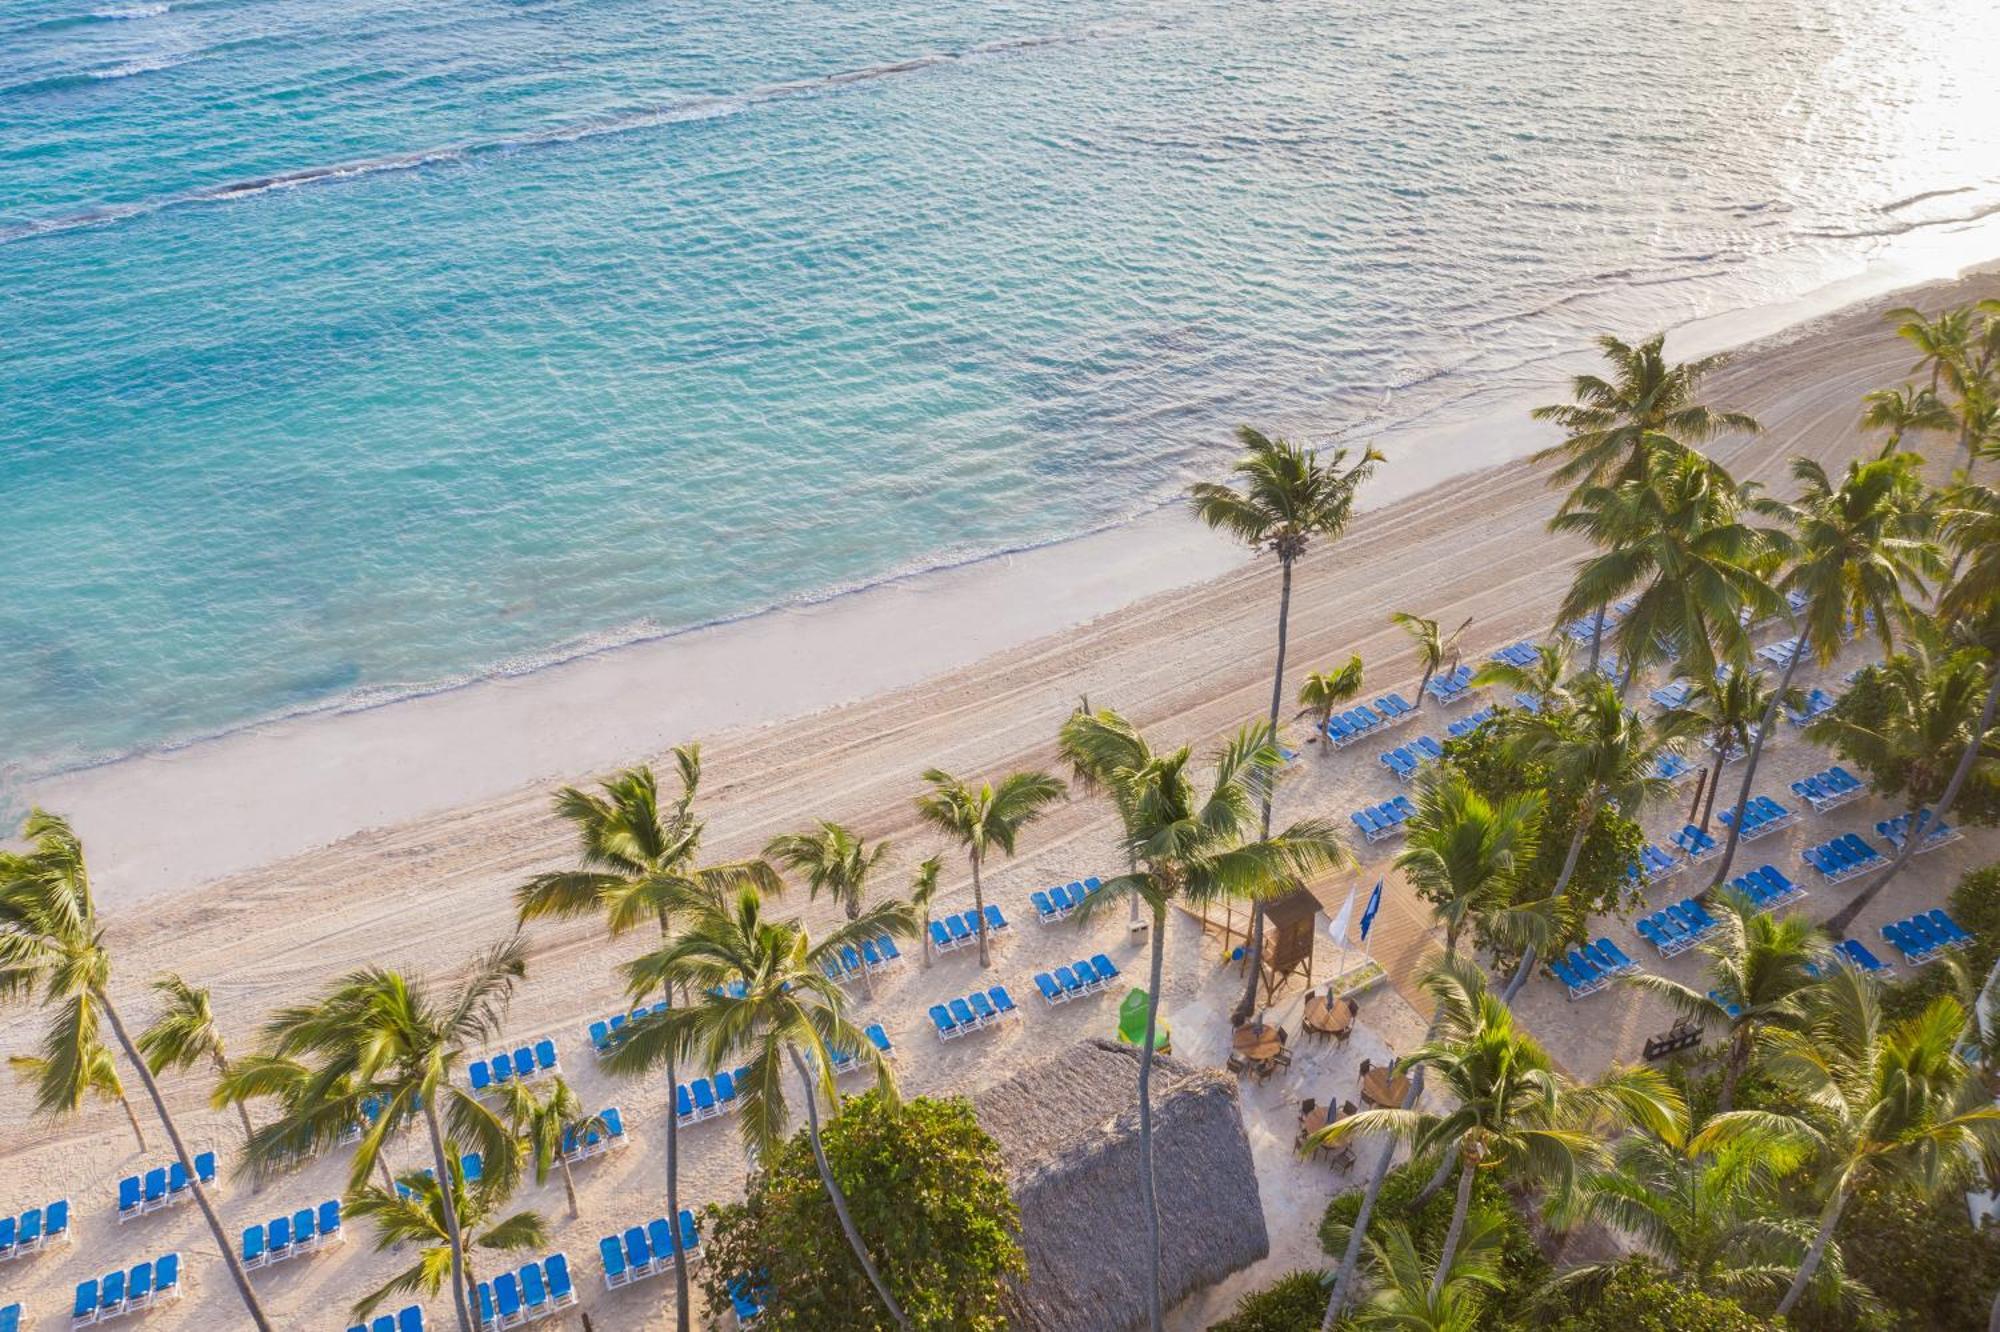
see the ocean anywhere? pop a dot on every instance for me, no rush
(354, 350)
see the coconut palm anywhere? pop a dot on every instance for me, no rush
(1648, 407)
(1410, 1298)
(1546, 680)
(789, 1016)
(1903, 411)
(422, 1212)
(1323, 691)
(1761, 969)
(1890, 1105)
(1289, 498)
(1678, 542)
(1190, 845)
(1943, 341)
(295, 1088)
(1465, 855)
(986, 819)
(1515, 1112)
(923, 891)
(100, 1079)
(546, 1122)
(639, 859)
(833, 859)
(1723, 710)
(51, 943)
(1603, 750)
(1861, 550)
(1930, 715)
(185, 1034)
(1436, 650)
(378, 1034)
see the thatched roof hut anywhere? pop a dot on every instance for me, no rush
(1069, 1129)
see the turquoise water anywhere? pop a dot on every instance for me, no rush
(348, 350)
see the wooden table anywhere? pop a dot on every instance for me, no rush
(1257, 1041)
(1330, 1017)
(1378, 1090)
(1312, 1121)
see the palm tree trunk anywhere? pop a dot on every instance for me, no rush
(569, 1187)
(1343, 1281)
(133, 1119)
(839, 1199)
(927, 937)
(454, 1238)
(683, 1313)
(1438, 1177)
(1254, 952)
(1586, 816)
(1827, 1220)
(1732, 1070)
(222, 1240)
(1844, 917)
(1722, 752)
(1148, 1189)
(1750, 768)
(388, 1180)
(1597, 636)
(1451, 1236)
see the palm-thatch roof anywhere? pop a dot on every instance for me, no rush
(1069, 1129)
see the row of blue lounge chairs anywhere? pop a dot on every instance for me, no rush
(116, 1294)
(1522, 654)
(1677, 928)
(283, 1238)
(1450, 686)
(605, 1034)
(1926, 936)
(1856, 953)
(1404, 760)
(846, 1061)
(1671, 767)
(1897, 830)
(962, 928)
(1672, 696)
(34, 1230)
(1780, 653)
(1695, 844)
(1387, 713)
(1470, 722)
(1817, 704)
(647, 1251)
(1842, 858)
(528, 1294)
(1762, 816)
(1654, 865)
(162, 1186)
(1830, 789)
(698, 1100)
(878, 954)
(410, 1319)
(973, 1012)
(1056, 903)
(607, 1135)
(1378, 822)
(1076, 980)
(1592, 967)
(1767, 888)
(524, 1065)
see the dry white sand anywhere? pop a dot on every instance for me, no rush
(1187, 664)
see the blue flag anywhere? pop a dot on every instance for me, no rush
(1368, 914)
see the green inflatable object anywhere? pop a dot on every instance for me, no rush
(1132, 1024)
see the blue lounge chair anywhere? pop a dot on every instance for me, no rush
(1052, 992)
(1103, 966)
(982, 1008)
(941, 1018)
(1003, 1002)
(1045, 910)
(962, 1014)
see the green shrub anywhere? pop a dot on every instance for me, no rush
(927, 1189)
(1294, 1302)
(1921, 1257)
(1642, 1298)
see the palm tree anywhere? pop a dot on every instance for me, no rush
(833, 859)
(1465, 855)
(1900, 411)
(297, 1089)
(639, 860)
(379, 1034)
(1971, 522)
(545, 1123)
(185, 1034)
(1408, 1298)
(1190, 847)
(1677, 542)
(789, 1014)
(1761, 969)
(1289, 498)
(1516, 1113)
(1890, 1105)
(420, 1211)
(1944, 342)
(1546, 681)
(1648, 407)
(51, 941)
(1434, 649)
(1724, 710)
(986, 819)
(1929, 721)
(1323, 691)
(923, 891)
(100, 1079)
(1603, 750)
(1862, 548)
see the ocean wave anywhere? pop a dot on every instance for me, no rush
(130, 13)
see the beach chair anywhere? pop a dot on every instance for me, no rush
(942, 1020)
(1106, 971)
(1045, 910)
(1856, 952)
(962, 1014)
(1052, 991)
(982, 1008)
(996, 923)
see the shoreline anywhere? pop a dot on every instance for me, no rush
(174, 817)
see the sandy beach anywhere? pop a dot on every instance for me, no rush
(306, 849)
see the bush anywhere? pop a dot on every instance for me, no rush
(1921, 1257)
(1642, 1298)
(927, 1190)
(1522, 1267)
(1294, 1302)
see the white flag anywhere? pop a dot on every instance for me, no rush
(1338, 927)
